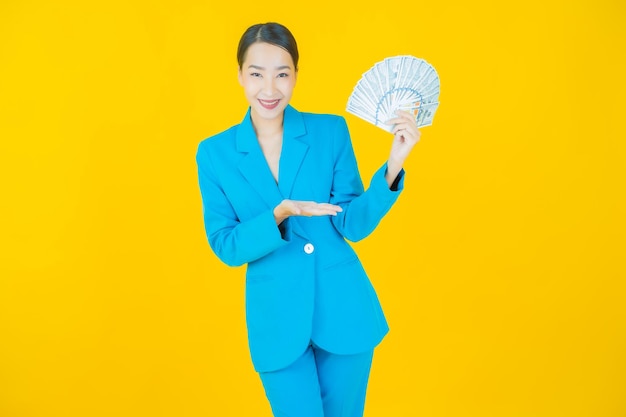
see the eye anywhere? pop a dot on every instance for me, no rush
(283, 75)
(255, 74)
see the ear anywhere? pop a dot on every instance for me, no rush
(240, 77)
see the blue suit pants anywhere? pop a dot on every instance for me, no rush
(319, 384)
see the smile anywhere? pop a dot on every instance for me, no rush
(269, 104)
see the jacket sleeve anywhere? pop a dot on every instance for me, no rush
(234, 242)
(362, 210)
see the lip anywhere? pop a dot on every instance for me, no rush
(269, 104)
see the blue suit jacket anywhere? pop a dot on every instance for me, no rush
(295, 294)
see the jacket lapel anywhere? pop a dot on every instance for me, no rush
(253, 165)
(293, 152)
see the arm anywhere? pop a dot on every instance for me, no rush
(233, 241)
(363, 210)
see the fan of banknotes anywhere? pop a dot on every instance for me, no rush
(400, 82)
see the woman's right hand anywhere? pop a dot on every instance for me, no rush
(288, 208)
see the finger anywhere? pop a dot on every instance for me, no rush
(399, 126)
(314, 205)
(405, 115)
(319, 211)
(405, 137)
(404, 128)
(410, 117)
(407, 124)
(409, 135)
(331, 207)
(408, 121)
(322, 211)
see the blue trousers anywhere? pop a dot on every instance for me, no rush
(319, 384)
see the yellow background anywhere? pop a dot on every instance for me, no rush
(501, 268)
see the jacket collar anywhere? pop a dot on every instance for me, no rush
(254, 167)
(293, 127)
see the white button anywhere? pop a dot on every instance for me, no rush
(309, 248)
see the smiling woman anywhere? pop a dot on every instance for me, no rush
(281, 193)
(268, 77)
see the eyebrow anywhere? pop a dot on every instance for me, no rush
(282, 67)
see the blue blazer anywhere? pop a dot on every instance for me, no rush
(304, 282)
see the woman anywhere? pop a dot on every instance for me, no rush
(281, 192)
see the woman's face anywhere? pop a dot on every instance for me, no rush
(268, 77)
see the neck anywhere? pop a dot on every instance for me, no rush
(267, 127)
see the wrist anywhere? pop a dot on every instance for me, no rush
(392, 175)
(279, 215)
(394, 166)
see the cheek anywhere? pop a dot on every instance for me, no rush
(288, 85)
(249, 86)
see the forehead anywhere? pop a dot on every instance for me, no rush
(267, 55)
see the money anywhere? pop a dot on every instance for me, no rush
(401, 82)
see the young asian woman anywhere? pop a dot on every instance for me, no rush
(282, 193)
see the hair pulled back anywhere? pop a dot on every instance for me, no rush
(272, 33)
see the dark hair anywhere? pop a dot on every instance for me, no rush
(272, 33)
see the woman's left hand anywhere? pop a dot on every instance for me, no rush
(406, 135)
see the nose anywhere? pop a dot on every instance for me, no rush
(269, 87)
